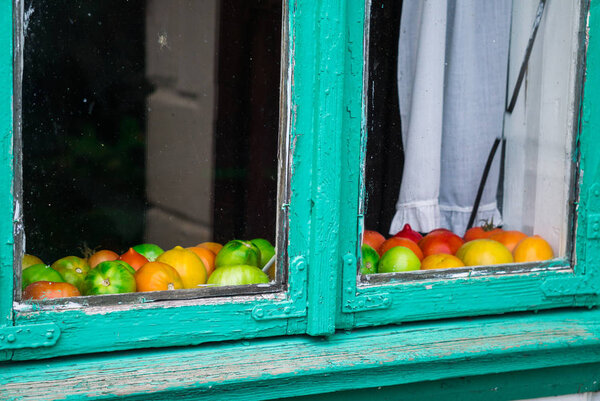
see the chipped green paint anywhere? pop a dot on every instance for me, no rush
(326, 122)
(303, 365)
(6, 167)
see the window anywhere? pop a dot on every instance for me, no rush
(322, 124)
(163, 124)
(445, 90)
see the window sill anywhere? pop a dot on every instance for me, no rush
(294, 366)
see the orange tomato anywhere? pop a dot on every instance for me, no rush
(483, 252)
(441, 261)
(188, 265)
(214, 247)
(509, 239)
(133, 259)
(398, 241)
(440, 241)
(102, 256)
(47, 290)
(157, 276)
(533, 249)
(373, 239)
(207, 257)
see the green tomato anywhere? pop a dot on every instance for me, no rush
(267, 251)
(399, 259)
(40, 272)
(73, 270)
(110, 277)
(238, 252)
(237, 275)
(369, 261)
(149, 251)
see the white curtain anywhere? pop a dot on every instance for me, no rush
(452, 67)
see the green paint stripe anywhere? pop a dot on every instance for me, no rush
(6, 163)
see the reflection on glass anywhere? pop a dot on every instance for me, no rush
(445, 163)
(150, 122)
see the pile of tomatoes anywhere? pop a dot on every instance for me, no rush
(441, 248)
(147, 267)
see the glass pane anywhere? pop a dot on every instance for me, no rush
(441, 142)
(151, 122)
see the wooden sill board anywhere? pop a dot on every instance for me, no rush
(293, 366)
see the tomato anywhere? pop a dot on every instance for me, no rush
(110, 277)
(398, 259)
(207, 257)
(483, 252)
(369, 261)
(102, 256)
(73, 270)
(48, 290)
(440, 241)
(480, 233)
(149, 251)
(408, 232)
(533, 249)
(237, 275)
(509, 239)
(373, 239)
(238, 252)
(267, 251)
(30, 260)
(441, 261)
(215, 247)
(189, 266)
(40, 272)
(133, 259)
(157, 276)
(397, 241)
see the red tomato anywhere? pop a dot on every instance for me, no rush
(483, 232)
(373, 239)
(440, 241)
(48, 290)
(408, 232)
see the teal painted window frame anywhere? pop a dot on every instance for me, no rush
(299, 309)
(327, 140)
(395, 301)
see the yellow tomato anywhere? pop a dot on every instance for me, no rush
(441, 261)
(188, 265)
(483, 252)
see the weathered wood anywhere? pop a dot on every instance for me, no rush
(6, 167)
(285, 367)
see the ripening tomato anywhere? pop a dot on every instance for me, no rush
(157, 276)
(509, 238)
(133, 259)
(440, 241)
(207, 257)
(483, 252)
(48, 290)
(103, 255)
(533, 249)
(372, 238)
(441, 261)
(398, 241)
(474, 233)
